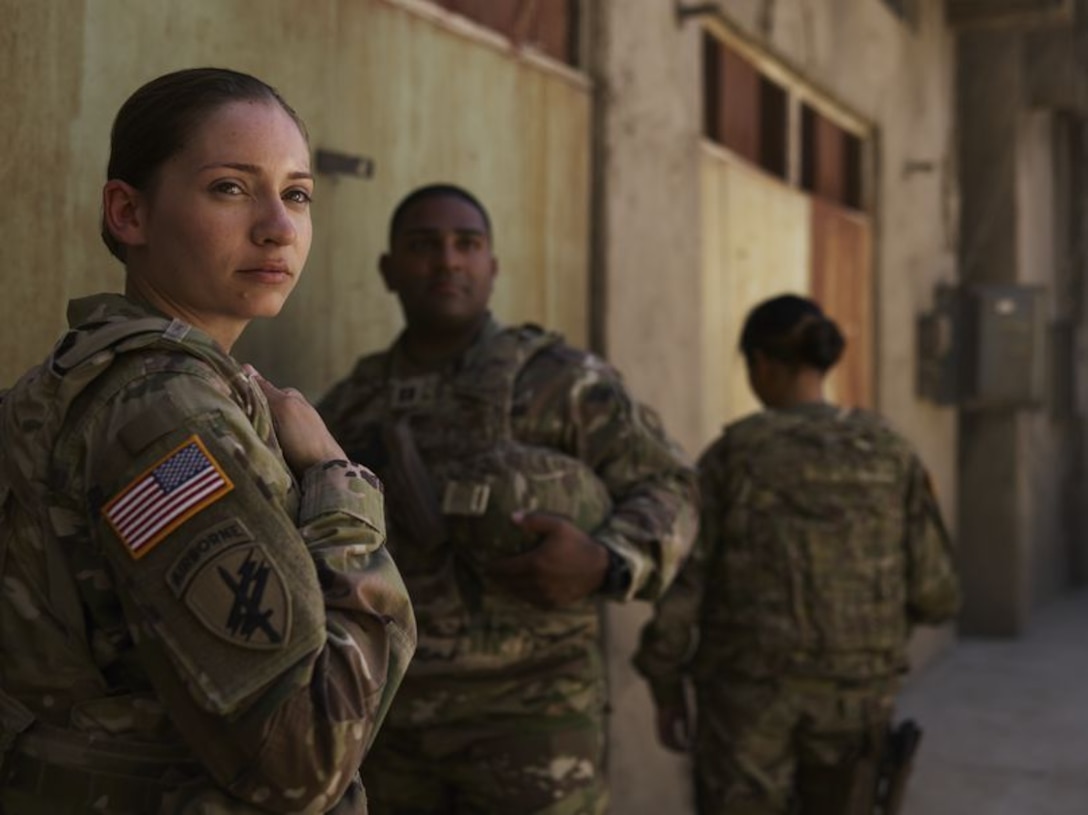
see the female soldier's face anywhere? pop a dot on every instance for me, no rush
(226, 225)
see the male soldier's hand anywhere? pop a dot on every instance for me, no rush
(299, 428)
(674, 727)
(566, 566)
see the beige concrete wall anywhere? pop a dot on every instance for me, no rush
(44, 239)
(757, 239)
(1044, 447)
(1019, 466)
(650, 270)
(371, 77)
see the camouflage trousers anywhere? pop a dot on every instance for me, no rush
(796, 746)
(516, 766)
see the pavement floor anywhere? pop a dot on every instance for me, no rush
(1006, 721)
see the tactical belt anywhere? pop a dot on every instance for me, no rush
(67, 768)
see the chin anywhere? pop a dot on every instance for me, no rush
(265, 307)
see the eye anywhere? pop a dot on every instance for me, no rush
(422, 244)
(298, 195)
(228, 187)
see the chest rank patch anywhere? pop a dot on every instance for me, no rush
(228, 581)
(414, 392)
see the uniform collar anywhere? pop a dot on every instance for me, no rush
(96, 309)
(401, 365)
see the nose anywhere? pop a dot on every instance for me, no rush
(275, 223)
(449, 256)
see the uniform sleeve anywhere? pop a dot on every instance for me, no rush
(653, 488)
(267, 614)
(668, 640)
(933, 593)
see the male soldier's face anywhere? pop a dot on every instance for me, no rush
(440, 264)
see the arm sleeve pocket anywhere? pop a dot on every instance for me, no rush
(209, 563)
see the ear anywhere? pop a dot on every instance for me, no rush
(494, 267)
(385, 266)
(124, 212)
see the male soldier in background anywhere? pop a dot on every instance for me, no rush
(524, 484)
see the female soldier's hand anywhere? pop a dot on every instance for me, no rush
(674, 727)
(299, 428)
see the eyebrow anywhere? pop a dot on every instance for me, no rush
(253, 169)
(434, 230)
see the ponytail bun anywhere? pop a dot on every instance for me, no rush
(820, 343)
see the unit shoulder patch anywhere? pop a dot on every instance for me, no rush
(237, 592)
(174, 489)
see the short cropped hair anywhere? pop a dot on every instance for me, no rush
(436, 191)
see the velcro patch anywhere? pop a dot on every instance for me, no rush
(172, 490)
(200, 549)
(414, 392)
(239, 595)
(465, 498)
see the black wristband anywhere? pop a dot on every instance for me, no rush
(617, 578)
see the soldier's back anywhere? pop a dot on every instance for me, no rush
(812, 557)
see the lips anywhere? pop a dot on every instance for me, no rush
(445, 287)
(270, 273)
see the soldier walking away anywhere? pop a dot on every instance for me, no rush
(820, 545)
(523, 485)
(199, 613)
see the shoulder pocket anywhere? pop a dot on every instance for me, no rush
(210, 563)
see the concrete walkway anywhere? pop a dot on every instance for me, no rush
(1006, 722)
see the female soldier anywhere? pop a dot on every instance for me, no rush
(820, 544)
(198, 612)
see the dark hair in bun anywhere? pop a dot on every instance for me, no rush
(793, 330)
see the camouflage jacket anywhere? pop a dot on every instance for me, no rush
(526, 396)
(820, 543)
(172, 592)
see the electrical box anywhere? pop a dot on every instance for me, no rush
(982, 346)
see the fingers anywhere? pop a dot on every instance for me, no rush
(271, 390)
(513, 565)
(538, 523)
(673, 731)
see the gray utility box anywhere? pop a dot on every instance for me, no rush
(982, 346)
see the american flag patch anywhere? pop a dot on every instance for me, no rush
(174, 489)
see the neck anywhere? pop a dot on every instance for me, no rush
(431, 344)
(806, 387)
(224, 333)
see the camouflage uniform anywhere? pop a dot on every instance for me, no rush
(502, 708)
(184, 627)
(820, 544)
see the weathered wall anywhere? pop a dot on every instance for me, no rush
(757, 241)
(648, 261)
(370, 78)
(44, 239)
(1044, 444)
(1018, 465)
(990, 94)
